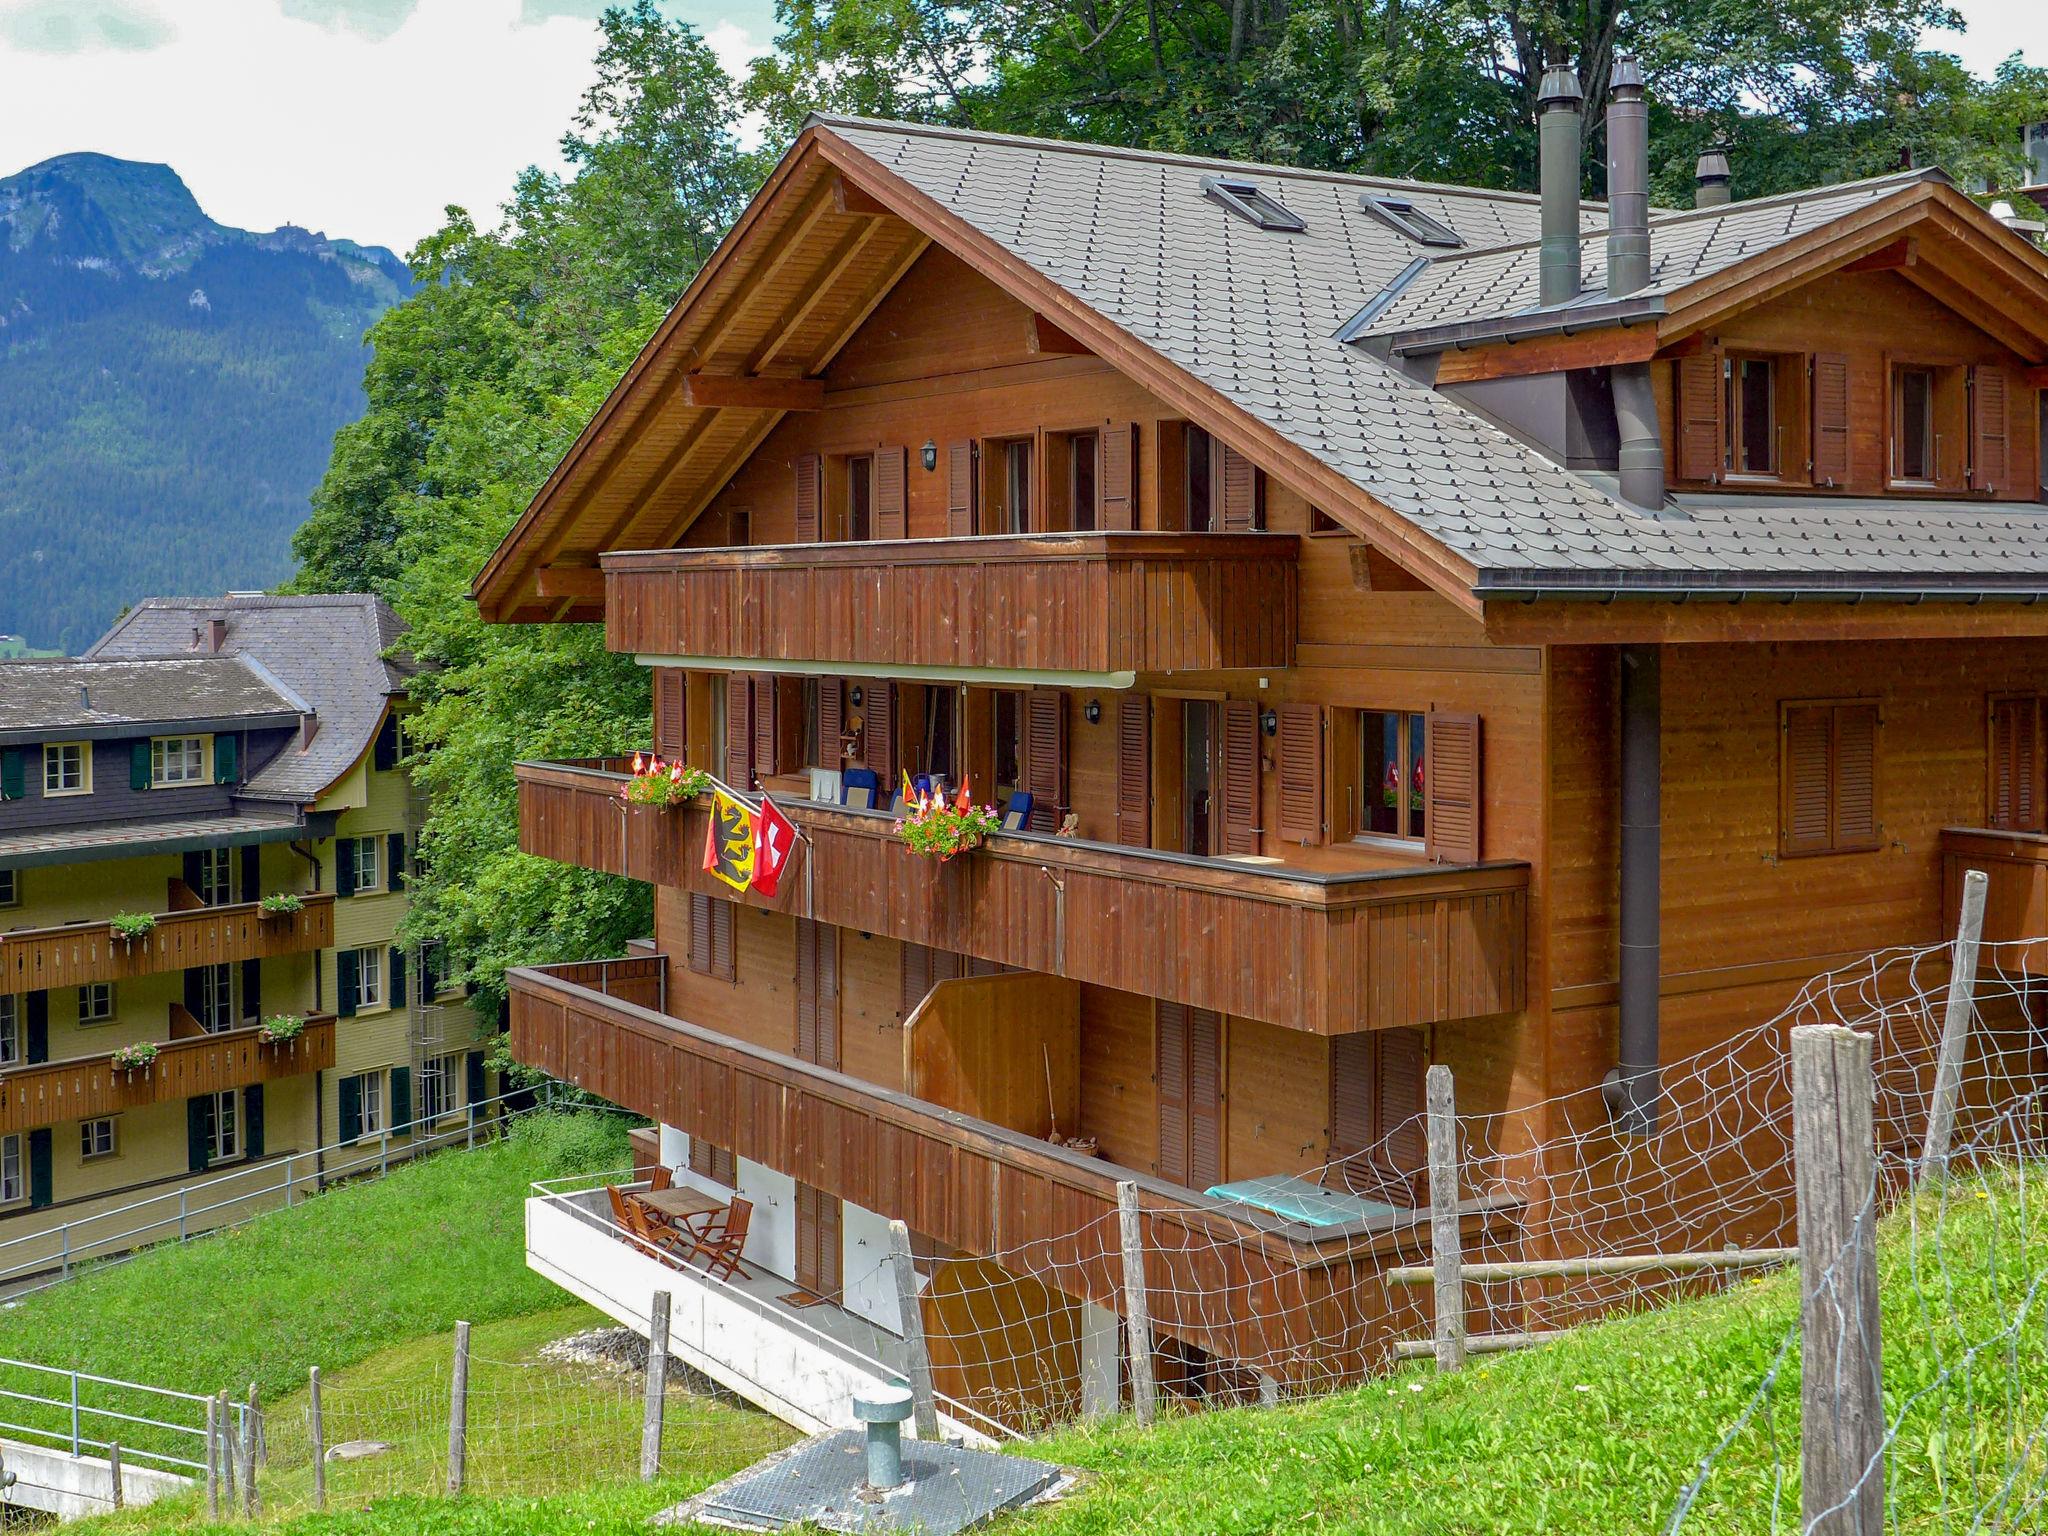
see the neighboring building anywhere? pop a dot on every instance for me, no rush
(1340, 554)
(201, 757)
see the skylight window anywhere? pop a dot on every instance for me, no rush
(1409, 219)
(1252, 204)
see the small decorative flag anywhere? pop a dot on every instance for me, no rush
(729, 842)
(966, 798)
(774, 841)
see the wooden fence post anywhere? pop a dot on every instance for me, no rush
(318, 1428)
(1137, 1304)
(1842, 1423)
(1955, 1026)
(212, 1463)
(1445, 1250)
(458, 1411)
(262, 1438)
(115, 1490)
(225, 1424)
(252, 1505)
(924, 1408)
(657, 1387)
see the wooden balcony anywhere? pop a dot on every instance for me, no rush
(1326, 953)
(53, 1092)
(1083, 604)
(69, 956)
(2015, 900)
(1293, 1302)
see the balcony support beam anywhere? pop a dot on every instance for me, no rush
(980, 677)
(751, 392)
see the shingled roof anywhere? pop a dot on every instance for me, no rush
(336, 651)
(104, 697)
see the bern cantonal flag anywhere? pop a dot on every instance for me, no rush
(774, 841)
(729, 841)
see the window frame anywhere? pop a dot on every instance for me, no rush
(217, 876)
(370, 966)
(233, 1146)
(1091, 502)
(370, 1103)
(369, 864)
(1786, 788)
(14, 1155)
(88, 1152)
(1254, 204)
(1402, 214)
(859, 527)
(439, 1076)
(10, 887)
(91, 991)
(1734, 393)
(13, 1036)
(52, 751)
(217, 997)
(1414, 725)
(159, 761)
(1938, 374)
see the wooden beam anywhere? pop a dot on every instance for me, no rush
(580, 581)
(1372, 571)
(817, 288)
(751, 392)
(1901, 253)
(2034, 378)
(1648, 622)
(1547, 354)
(1045, 339)
(848, 198)
(2001, 325)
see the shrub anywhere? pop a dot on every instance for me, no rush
(572, 1143)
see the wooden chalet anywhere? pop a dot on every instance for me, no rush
(1431, 624)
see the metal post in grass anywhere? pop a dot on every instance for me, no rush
(1446, 1254)
(657, 1387)
(917, 1354)
(1842, 1419)
(458, 1411)
(1955, 1026)
(318, 1428)
(212, 1460)
(1137, 1303)
(116, 1494)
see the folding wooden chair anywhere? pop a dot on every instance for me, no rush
(663, 1177)
(641, 1230)
(719, 1238)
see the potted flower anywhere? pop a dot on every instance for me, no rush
(131, 926)
(941, 829)
(280, 904)
(135, 1058)
(655, 782)
(281, 1027)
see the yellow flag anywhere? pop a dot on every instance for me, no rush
(729, 844)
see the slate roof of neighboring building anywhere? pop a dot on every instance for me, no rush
(335, 651)
(1255, 314)
(58, 695)
(86, 841)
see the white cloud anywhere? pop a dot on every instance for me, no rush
(1996, 30)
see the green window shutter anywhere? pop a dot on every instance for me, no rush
(394, 876)
(252, 989)
(401, 1100)
(384, 756)
(394, 974)
(13, 776)
(345, 983)
(344, 866)
(39, 1190)
(227, 760)
(38, 1043)
(252, 871)
(195, 992)
(252, 1119)
(474, 1072)
(199, 1132)
(349, 1108)
(138, 765)
(193, 871)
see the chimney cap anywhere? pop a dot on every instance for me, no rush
(1628, 74)
(1713, 164)
(1560, 91)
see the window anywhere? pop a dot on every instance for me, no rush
(1390, 777)
(227, 1127)
(860, 498)
(1081, 481)
(370, 1097)
(438, 1076)
(1756, 435)
(1014, 515)
(1197, 500)
(940, 715)
(96, 1138)
(739, 526)
(96, 1002)
(67, 768)
(1916, 450)
(10, 887)
(1251, 204)
(1200, 742)
(11, 1051)
(1009, 742)
(1320, 521)
(216, 869)
(369, 855)
(1827, 769)
(11, 1185)
(216, 996)
(176, 760)
(1409, 219)
(370, 977)
(2014, 787)
(711, 943)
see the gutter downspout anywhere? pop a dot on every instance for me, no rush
(1633, 1090)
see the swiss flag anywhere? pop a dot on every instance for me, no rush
(774, 842)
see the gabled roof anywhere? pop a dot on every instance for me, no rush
(335, 651)
(46, 700)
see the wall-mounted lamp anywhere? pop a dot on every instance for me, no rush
(1092, 712)
(855, 696)
(930, 454)
(1269, 722)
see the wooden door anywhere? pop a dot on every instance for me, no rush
(817, 993)
(819, 1247)
(1188, 1070)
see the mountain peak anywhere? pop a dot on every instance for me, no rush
(97, 206)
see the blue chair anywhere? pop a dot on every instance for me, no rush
(859, 788)
(1018, 812)
(921, 782)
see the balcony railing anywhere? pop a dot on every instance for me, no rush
(2016, 898)
(1326, 953)
(76, 953)
(53, 1092)
(1080, 603)
(1292, 1301)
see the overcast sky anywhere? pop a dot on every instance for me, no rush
(364, 117)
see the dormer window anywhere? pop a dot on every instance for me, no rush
(1410, 220)
(1252, 204)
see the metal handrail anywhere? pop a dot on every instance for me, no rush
(74, 1407)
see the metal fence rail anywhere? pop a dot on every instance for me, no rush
(85, 1414)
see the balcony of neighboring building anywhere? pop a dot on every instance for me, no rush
(192, 934)
(1079, 605)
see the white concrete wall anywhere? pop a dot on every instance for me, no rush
(771, 1235)
(72, 1487)
(870, 1289)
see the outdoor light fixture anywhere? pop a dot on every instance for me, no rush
(1092, 712)
(856, 696)
(930, 454)
(1269, 722)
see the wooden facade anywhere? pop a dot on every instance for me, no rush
(77, 953)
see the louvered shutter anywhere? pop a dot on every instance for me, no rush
(724, 961)
(878, 736)
(227, 759)
(400, 1120)
(395, 861)
(1855, 776)
(960, 490)
(1830, 419)
(1803, 817)
(916, 978)
(1045, 758)
(1118, 469)
(1240, 484)
(252, 1118)
(671, 731)
(2015, 792)
(831, 1245)
(739, 731)
(891, 494)
(1300, 749)
(1205, 1098)
(810, 497)
(473, 1078)
(13, 776)
(766, 759)
(806, 990)
(252, 989)
(831, 721)
(252, 871)
(40, 1188)
(1170, 1073)
(1134, 770)
(344, 866)
(1701, 440)
(1451, 787)
(1352, 1095)
(347, 982)
(36, 1027)
(140, 772)
(828, 995)
(700, 933)
(199, 1131)
(1990, 429)
(348, 1107)
(1398, 1099)
(1240, 776)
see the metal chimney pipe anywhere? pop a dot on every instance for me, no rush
(1560, 125)
(1710, 179)
(1628, 181)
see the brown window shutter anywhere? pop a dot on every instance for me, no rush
(878, 736)
(1240, 483)
(1352, 1095)
(1170, 1072)
(1134, 770)
(916, 978)
(828, 995)
(1240, 776)
(670, 728)
(1805, 790)
(1119, 472)
(1990, 429)
(831, 1246)
(891, 496)
(959, 490)
(766, 760)
(807, 1202)
(1045, 757)
(1205, 1098)
(947, 966)
(808, 988)
(739, 730)
(2014, 792)
(724, 965)
(1856, 776)
(1702, 444)
(1830, 419)
(1452, 786)
(1300, 751)
(810, 498)
(700, 933)
(1398, 1100)
(831, 720)
(713, 1162)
